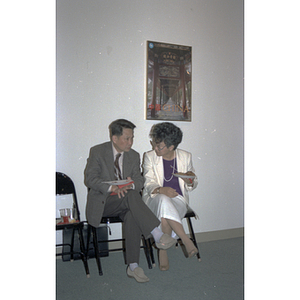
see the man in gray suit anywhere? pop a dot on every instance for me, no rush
(115, 160)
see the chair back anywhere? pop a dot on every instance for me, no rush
(65, 186)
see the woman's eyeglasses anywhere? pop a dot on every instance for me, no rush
(156, 146)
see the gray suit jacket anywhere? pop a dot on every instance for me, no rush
(99, 168)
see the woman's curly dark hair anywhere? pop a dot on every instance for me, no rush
(166, 132)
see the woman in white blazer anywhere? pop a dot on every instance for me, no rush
(169, 177)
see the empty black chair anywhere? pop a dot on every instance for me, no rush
(65, 186)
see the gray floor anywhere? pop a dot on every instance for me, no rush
(220, 275)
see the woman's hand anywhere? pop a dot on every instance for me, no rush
(189, 181)
(168, 191)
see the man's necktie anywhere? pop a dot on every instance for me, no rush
(118, 175)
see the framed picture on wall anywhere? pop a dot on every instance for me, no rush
(169, 81)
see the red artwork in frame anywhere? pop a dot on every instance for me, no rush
(169, 73)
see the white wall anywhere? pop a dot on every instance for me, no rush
(101, 53)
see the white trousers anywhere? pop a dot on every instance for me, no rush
(169, 208)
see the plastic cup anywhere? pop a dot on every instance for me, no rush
(65, 214)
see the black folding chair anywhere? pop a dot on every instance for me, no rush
(65, 186)
(189, 214)
(96, 241)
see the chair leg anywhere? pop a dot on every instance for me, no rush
(193, 237)
(149, 243)
(147, 252)
(96, 247)
(88, 242)
(72, 245)
(83, 252)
